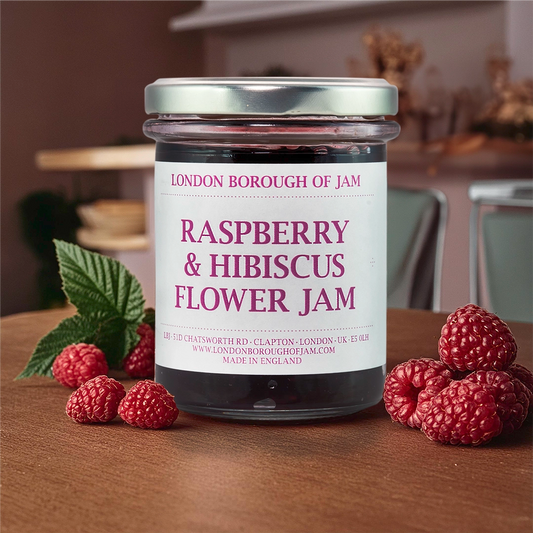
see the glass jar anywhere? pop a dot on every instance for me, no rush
(270, 205)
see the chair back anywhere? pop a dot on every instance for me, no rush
(416, 222)
(501, 247)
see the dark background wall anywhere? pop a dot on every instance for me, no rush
(73, 75)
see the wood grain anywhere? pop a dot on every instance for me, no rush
(359, 474)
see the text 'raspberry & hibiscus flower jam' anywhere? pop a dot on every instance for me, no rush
(270, 203)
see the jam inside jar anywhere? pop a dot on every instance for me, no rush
(291, 380)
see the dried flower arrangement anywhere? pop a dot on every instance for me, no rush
(396, 61)
(509, 113)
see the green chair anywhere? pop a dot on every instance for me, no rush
(416, 224)
(501, 248)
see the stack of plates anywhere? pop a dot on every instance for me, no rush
(113, 224)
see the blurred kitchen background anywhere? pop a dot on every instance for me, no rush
(73, 76)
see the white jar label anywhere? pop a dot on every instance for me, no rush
(270, 269)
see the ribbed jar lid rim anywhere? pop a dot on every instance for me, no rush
(272, 96)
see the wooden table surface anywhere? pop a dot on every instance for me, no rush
(363, 473)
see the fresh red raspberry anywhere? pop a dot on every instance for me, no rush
(148, 405)
(410, 386)
(78, 363)
(463, 413)
(474, 339)
(139, 363)
(97, 400)
(524, 375)
(511, 395)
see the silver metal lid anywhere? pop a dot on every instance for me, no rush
(272, 96)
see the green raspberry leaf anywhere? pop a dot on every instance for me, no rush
(116, 337)
(96, 283)
(149, 317)
(71, 330)
(110, 307)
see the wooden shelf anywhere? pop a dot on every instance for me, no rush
(102, 158)
(472, 152)
(482, 152)
(103, 241)
(461, 144)
(222, 14)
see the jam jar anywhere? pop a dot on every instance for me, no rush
(270, 223)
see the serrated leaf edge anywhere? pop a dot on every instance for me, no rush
(75, 265)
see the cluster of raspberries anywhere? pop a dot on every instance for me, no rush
(78, 363)
(99, 398)
(474, 393)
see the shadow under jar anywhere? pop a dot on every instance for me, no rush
(270, 203)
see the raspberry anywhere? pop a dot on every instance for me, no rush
(78, 363)
(474, 339)
(148, 405)
(525, 376)
(511, 395)
(139, 363)
(463, 413)
(97, 400)
(410, 386)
